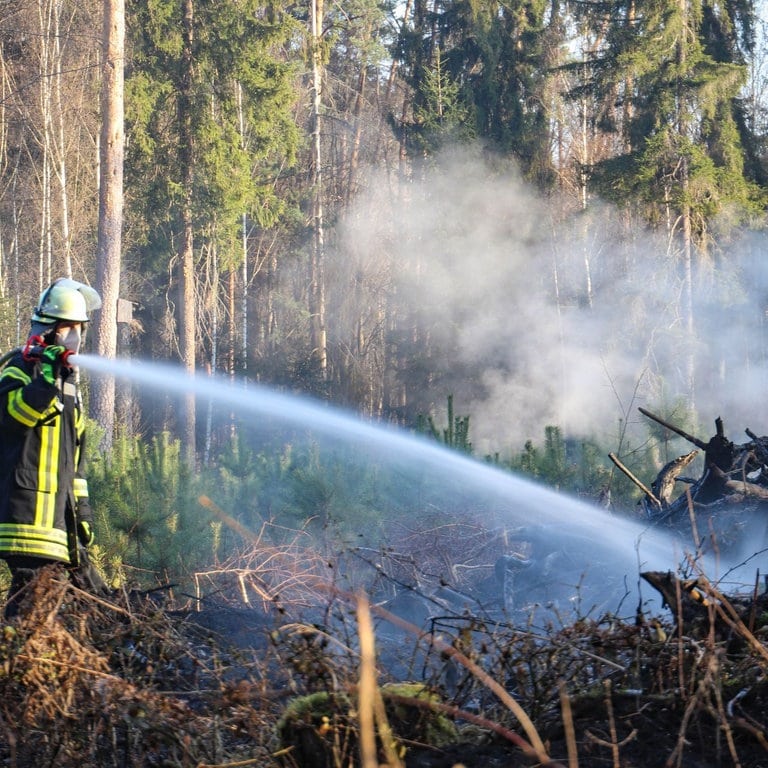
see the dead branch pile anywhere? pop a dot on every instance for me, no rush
(90, 682)
(724, 501)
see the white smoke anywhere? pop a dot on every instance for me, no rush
(565, 318)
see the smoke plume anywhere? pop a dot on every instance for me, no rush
(548, 315)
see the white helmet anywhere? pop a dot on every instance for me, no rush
(66, 300)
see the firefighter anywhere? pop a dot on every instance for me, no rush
(45, 517)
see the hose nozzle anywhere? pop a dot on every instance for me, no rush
(35, 346)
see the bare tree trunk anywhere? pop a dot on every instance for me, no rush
(108, 247)
(629, 84)
(59, 143)
(4, 169)
(16, 248)
(231, 315)
(46, 110)
(690, 359)
(244, 246)
(244, 300)
(585, 163)
(43, 263)
(354, 157)
(317, 266)
(187, 313)
(213, 292)
(682, 128)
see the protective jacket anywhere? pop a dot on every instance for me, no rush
(43, 493)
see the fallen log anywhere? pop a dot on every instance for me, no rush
(741, 486)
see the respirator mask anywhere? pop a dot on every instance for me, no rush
(69, 336)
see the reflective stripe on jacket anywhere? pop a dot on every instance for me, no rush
(41, 441)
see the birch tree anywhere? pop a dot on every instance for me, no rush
(318, 336)
(50, 80)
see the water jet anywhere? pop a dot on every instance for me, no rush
(604, 549)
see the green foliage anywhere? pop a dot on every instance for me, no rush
(550, 464)
(276, 489)
(579, 467)
(442, 116)
(334, 493)
(496, 54)
(243, 129)
(149, 520)
(684, 140)
(455, 435)
(146, 511)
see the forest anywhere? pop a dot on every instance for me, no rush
(547, 214)
(384, 286)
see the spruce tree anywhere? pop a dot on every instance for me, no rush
(209, 94)
(677, 70)
(493, 58)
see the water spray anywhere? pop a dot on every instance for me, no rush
(513, 498)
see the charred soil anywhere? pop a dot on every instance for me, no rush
(123, 682)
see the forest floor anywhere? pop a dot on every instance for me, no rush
(129, 681)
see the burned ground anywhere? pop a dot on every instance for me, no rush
(125, 681)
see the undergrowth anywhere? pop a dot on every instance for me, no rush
(305, 678)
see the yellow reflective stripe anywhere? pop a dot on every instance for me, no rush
(15, 373)
(79, 430)
(47, 480)
(80, 487)
(35, 549)
(20, 539)
(21, 411)
(32, 532)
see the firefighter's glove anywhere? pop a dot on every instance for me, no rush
(85, 533)
(51, 361)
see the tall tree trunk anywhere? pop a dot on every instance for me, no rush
(108, 247)
(44, 256)
(354, 157)
(231, 325)
(685, 215)
(317, 267)
(46, 141)
(629, 83)
(244, 300)
(213, 366)
(687, 247)
(60, 145)
(187, 313)
(244, 253)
